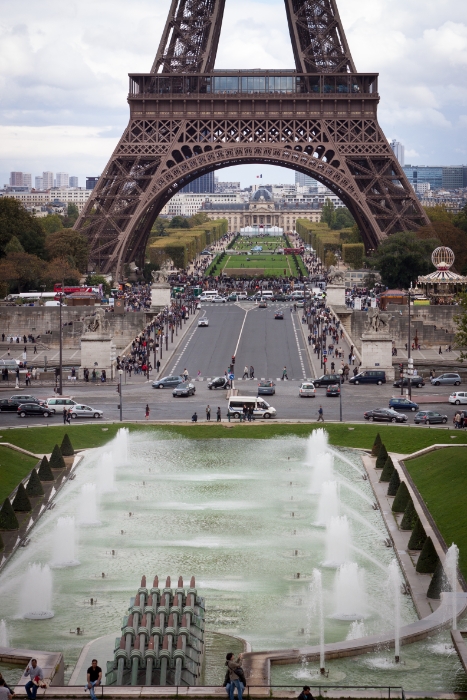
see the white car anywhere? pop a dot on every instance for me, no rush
(307, 389)
(458, 397)
(203, 322)
(81, 411)
(218, 300)
(242, 297)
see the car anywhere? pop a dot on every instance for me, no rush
(266, 387)
(171, 381)
(385, 414)
(232, 297)
(458, 397)
(218, 300)
(242, 297)
(79, 410)
(26, 398)
(326, 379)
(414, 381)
(400, 403)
(448, 378)
(333, 390)
(184, 389)
(203, 322)
(55, 403)
(281, 297)
(206, 252)
(218, 383)
(9, 405)
(372, 376)
(300, 303)
(32, 409)
(263, 304)
(307, 389)
(429, 417)
(279, 315)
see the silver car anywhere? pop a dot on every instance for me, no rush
(448, 378)
(79, 410)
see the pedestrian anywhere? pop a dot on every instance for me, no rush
(35, 350)
(185, 374)
(35, 673)
(3, 684)
(284, 374)
(235, 682)
(208, 412)
(245, 372)
(147, 411)
(250, 413)
(218, 414)
(194, 417)
(320, 414)
(305, 694)
(158, 365)
(252, 372)
(68, 416)
(440, 352)
(245, 412)
(94, 678)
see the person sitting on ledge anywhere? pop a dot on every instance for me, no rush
(305, 694)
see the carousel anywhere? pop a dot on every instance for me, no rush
(442, 285)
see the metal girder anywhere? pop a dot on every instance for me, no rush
(318, 39)
(190, 37)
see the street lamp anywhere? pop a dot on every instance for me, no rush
(60, 361)
(120, 372)
(341, 371)
(409, 359)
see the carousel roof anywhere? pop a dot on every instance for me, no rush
(442, 276)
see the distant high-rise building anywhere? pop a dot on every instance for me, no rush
(73, 182)
(202, 184)
(399, 151)
(62, 180)
(27, 179)
(47, 180)
(304, 180)
(16, 179)
(39, 182)
(91, 182)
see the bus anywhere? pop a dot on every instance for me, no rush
(73, 290)
(31, 296)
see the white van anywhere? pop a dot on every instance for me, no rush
(261, 408)
(208, 295)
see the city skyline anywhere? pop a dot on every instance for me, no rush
(73, 116)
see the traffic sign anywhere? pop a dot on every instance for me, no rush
(325, 352)
(231, 376)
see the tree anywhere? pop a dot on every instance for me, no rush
(410, 517)
(418, 536)
(96, 280)
(21, 503)
(45, 472)
(401, 258)
(439, 213)
(179, 222)
(34, 487)
(450, 236)
(13, 246)
(394, 483)
(376, 445)
(21, 269)
(148, 269)
(461, 334)
(329, 259)
(388, 470)
(328, 213)
(344, 219)
(460, 219)
(8, 519)
(66, 448)
(60, 269)
(70, 245)
(428, 558)
(439, 583)
(382, 457)
(71, 216)
(51, 223)
(16, 221)
(198, 219)
(402, 498)
(56, 459)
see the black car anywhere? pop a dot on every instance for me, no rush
(429, 417)
(218, 383)
(266, 387)
(333, 390)
(32, 409)
(415, 381)
(401, 403)
(279, 315)
(9, 405)
(385, 414)
(184, 389)
(326, 380)
(171, 381)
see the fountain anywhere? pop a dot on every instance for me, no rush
(323, 471)
(317, 444)
(349, 593)
(356, 630)
(88, 506)
(450, 565)
(328, 506)
(106, 473)
(36, 594)
(64, 544)
(394, 583)
(317, 607)
(119, 447)
(4, 637)
(338, 542)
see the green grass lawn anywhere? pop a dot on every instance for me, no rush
(268, 242)
(271, 265)
(14, 466)
(441, 478)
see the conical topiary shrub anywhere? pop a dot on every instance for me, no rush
(410, 516)
(376, 445)
(45, 472)
(21, 502)
(402, 498)
(66, 448)
(8, 519)
(388, 470)
(394, 483)
(34, 487)
(438, 583)
(1, 544)
(418, 536)
(428, 558)
(56, 459)
(382, 457)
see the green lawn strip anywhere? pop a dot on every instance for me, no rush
(397, 439)
(441, 478)
(14, 466)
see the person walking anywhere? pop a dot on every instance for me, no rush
(36, 675)
(185, 374)
(68, 416)
(64, 415)
(245, 372)
(218, 414)
(320, 414)
(235, 682)
(208, 412)
(284, 374)
(252, 372)
(35, 350)
(158, 365)
(147, 411)
(94, 677)
(194, 417)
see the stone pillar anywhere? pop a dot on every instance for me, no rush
(97, 352)
(377, 353)
(335, 295)
(160, 296)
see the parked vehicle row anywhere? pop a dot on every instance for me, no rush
(28, 405)
(392, 416)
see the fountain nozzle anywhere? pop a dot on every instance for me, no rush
(397, 659)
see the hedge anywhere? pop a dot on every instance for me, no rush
(34, 487)
(418, 536)
(438, 583)
(352, 254)
(66, 448)
(45, 472)
(56, 459)
(21, 503)
(410, 516)
(182, 245)
(2, 546)
(428, 558)
(376, 445)
(8, 519)
(388, 470)
(402, 498)
(382, 457)
(394, 483)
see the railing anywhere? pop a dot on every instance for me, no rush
(254, 83)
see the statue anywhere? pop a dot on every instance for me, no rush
(96, 322)
(335, 276)
(161, 276)
(377, 321)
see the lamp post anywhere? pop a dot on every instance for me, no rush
(60, 360)
(341, 371)
(409, 358)
(120, 372)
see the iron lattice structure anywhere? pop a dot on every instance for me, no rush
(187, 119)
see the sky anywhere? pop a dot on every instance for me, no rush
(64, 66)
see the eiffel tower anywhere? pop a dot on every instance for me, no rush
(187, 119)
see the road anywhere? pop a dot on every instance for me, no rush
(257, 339)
